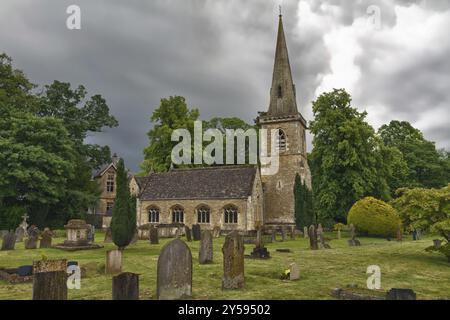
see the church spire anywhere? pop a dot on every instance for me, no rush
(282, 93)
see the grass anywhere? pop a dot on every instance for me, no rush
(403, 265)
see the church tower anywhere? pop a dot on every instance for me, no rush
(284, 117)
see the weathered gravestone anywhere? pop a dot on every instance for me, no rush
(188, 233)
(233, 262)
(205, 254)
(46, 239)
(400, 294)
(108, 235)
(305, 232)
(31, 242)
(259, 252)
(113, 261)
(294, 271)
(50, 280)
(353, 241)
(90, 233)
(20, 234)
(292, 233)
(216, 232)
(125, 286)
(9, 241)
(174, 271)
(312, 238)
(196, 232)
(33, 231)
(321, 238)
(283, 234)
(154, 238)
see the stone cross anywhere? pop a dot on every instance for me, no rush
(205, 254)
(125, 286)
(174, 271)
(233, 261)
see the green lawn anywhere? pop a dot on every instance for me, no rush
(403, 265)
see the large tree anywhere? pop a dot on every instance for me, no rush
(426, 166)
(346, 159)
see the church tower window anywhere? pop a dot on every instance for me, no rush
(203, 214)
(231, 214)
(177, 214)
(153, 215)
(281, 141)
(110, 183)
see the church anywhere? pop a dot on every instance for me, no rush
(236, 197)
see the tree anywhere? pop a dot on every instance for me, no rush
(123, 221)
(304, 213)
(173, 113)
(426, 166)
(346, 159)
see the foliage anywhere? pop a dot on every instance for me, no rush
(374, 217)
(10, 217)
(123, 221)
(304, 213)
(443, 249)
(425, 209)
(346, 160)
(338, 226)
(426, 166)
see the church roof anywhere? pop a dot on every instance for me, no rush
(221, 182)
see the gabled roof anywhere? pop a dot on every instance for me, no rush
(103, 169)
(221, 182)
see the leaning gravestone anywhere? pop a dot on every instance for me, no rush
(46, 239)
(50, 280)
(20, 234)
(205, 254)
(125, 286)
(196, 232)
(9, 241)
(188, 233)
(108, 235)
(31, 242)
(113, 261)
(233, 262)
(174, 271)
(312, 238)
(154, 238)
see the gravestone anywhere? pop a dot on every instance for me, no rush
(205, 254)
(283, 234)
(174, 271)
(125, 286)
(50, 280)
(294, 271)
(353, 242)
(305, 232)
(312, 238)
(292, 233)
(20, 234)
(90, 233)
(233, 261)
(188, 233)
(399, 235)
(196, 232)
(31, 242)
(46, 239)
(113, 261)
(33, 231)
(154, 238)
(9, 241)
(216, 232)
(400, 294)
(108, 235)
(259, 252)
(322, 242)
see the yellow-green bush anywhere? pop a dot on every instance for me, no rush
(374, 217)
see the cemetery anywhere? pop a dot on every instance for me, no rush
(223, 268)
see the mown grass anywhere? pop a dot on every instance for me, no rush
(403, 265)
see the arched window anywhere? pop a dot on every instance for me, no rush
(281, 141)
(230, 214)
(153, 215)
(203, 214)
(177, 214)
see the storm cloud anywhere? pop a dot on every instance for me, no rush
(392, 56)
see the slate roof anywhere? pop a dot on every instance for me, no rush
(222, 182)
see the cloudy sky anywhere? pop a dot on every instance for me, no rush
(392, 56)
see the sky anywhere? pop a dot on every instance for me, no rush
(393, 57)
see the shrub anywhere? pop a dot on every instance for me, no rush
(374, 217)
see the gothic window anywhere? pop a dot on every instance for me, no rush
(231, 214)
(281, 141)
(279, 92)
(177, 214)
(110, 183)
(203, 214)
(153, 215)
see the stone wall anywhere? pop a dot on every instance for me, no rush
(105, 196)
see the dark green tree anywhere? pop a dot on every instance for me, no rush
(304, 211)
(123, 221)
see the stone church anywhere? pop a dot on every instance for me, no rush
(236, 197)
